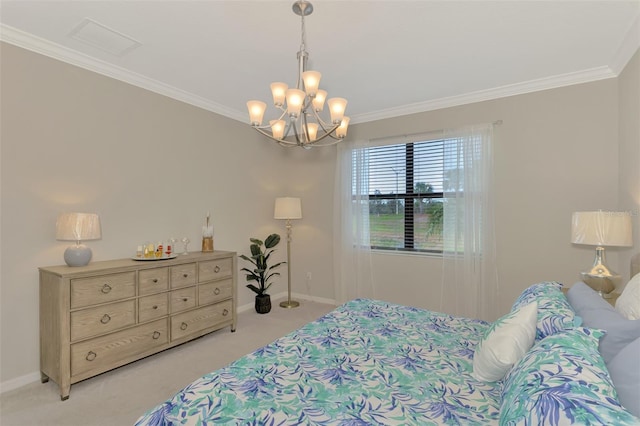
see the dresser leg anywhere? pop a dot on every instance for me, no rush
(64, 392)
(43, 377)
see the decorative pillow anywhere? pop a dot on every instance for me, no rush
(504, 343)
(598, 313)
(625, 373)
(554, 311)
(562, 380)
(628, 304)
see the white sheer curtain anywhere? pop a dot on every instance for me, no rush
(469, 279)
(352, 248)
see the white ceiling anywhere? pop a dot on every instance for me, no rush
(387, 58)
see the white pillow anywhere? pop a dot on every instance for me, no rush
(628, 304)
(505, 343)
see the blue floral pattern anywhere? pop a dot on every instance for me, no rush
(554, 311)
(366, 363)
(563, 380)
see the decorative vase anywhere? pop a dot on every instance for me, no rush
(263, 303)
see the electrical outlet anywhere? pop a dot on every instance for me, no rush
(308, 276)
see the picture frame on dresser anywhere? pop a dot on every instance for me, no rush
(107, 314)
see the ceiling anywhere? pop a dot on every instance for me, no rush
(388, 58)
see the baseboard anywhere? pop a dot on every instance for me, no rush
(19, 382)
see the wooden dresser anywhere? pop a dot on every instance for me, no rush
(101, 316)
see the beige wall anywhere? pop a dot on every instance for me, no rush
(548, 153)
(152, 167)
(629, 123)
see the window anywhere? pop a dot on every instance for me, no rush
(405, 184)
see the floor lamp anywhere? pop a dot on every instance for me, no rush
(288, 208)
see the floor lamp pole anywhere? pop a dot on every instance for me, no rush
(289, 303)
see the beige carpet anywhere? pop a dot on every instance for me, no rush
(120, 396)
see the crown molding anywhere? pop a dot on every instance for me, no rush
(44, 47)
(586, 76)
(628, 48)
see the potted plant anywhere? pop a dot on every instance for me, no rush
(261, 273)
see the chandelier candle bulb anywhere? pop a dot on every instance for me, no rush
(279, 92)
(256, 112)
(311, 129)
(341, 131)
(336, 108)
(277, 128)
(311, 82)
(318, 100)
(295, 99)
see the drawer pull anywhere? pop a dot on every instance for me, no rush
(216, 269)
(185, 275)
(184, 299)
(91, 356)
(216, 291)
(184, 326)
(155, 280)
(155, 306)
(105, 319)
(225, 313)
(106, 288)
(156, 335)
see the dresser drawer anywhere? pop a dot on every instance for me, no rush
(183, 275)
(102, 319)
(105, 288)
(215, 291)
(153, 280)
(214, 269)
(183, 298)
(200, 319)
(152, 307)
(102, 353)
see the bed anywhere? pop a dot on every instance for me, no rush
(369, 362)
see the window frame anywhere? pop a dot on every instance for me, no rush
(409, 197)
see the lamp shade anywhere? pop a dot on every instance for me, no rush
(601, 228)
(78, 227)
(287, 208)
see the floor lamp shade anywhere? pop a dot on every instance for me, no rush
(601, 229)
(78, 227)
(288, 208)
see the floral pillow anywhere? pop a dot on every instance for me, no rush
(554, 311)
(562, 380)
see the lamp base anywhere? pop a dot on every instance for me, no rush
(289, 304)
(77, 255)
(600, 277)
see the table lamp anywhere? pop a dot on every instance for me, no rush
(288, 208)
(601, 229)
(78, 227)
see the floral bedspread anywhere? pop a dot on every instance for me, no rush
(366, 362)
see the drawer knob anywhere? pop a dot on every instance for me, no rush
(184, 299)
(91, 356)
(155, 306)
(216, 291)
(184, 326)
(156, 335)
(155, 280)
(225, 313)
(185, 275)
(105, 319)
(106, 288)
(216, 269)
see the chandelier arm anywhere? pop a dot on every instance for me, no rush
(295, 133)
(282, 142)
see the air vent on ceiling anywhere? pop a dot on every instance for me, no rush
(103, 37)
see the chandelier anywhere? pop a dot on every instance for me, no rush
(300, 123)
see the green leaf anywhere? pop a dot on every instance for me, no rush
(256, 241)
(272, 241)
(254, 289)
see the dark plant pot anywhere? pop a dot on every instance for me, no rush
(263, 303)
